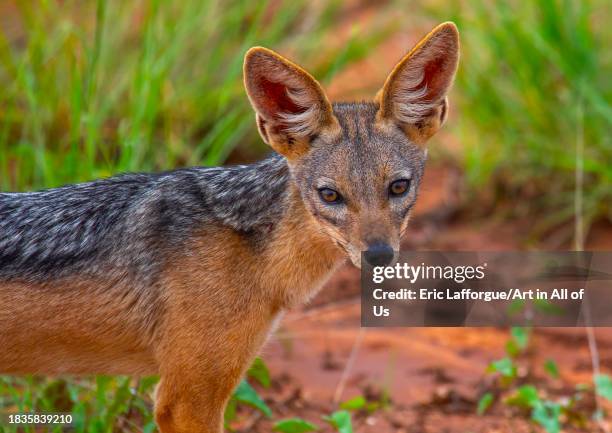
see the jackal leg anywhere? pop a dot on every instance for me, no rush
(200, 366)
(196, 407)
(191, 396)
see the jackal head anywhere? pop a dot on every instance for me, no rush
(357, 165)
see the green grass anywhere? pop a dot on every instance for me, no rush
(104, 404)
(534, 82)
(89, 89)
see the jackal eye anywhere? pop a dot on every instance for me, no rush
(399, 187)
(330, 196)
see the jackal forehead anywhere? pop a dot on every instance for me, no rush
(361, 152)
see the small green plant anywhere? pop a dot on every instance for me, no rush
(544, 412)
(340, 420)
(506, 367)
(247, 395)
(294, 425)
(549, 413)
(355, 403)
(551, 368)
(603, 386)
(485, 403)
(99, 406)
(109, 403)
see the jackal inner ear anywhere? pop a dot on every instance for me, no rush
(290, 104)
(415, 93)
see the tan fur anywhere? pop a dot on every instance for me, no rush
(217, 299)
(51, 329)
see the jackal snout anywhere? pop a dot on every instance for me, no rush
(379, 254)
(375, 233)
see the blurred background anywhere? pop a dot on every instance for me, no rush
(93, 88)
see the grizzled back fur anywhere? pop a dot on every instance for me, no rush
(131, 221)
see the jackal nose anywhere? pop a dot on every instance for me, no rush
(379, 254)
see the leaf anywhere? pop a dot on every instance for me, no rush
(294, 425)
(373, 406)
(547, 415)
(149, 427)
(341, 421)
(547, 307)
(79, 415)
(551, 368)
(259, 371)
(246, 394)
(355, 403)
(504, 366)
(230, 411)
(484, 403)
(102, 385)
(147, 383)
(121, 399)
(525, 396)
(521, 336)
(603, 386)
(516, 306)
(512, 349)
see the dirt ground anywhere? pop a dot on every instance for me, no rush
(432, 377)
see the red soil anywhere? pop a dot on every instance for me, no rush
(433, 377)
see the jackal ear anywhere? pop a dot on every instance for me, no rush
(415, 93)
(290, 104)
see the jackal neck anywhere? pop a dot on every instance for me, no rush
(299, 258)
(290, 254)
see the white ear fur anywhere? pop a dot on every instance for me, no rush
(416, 90)
(305, 123)
(290, 104)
